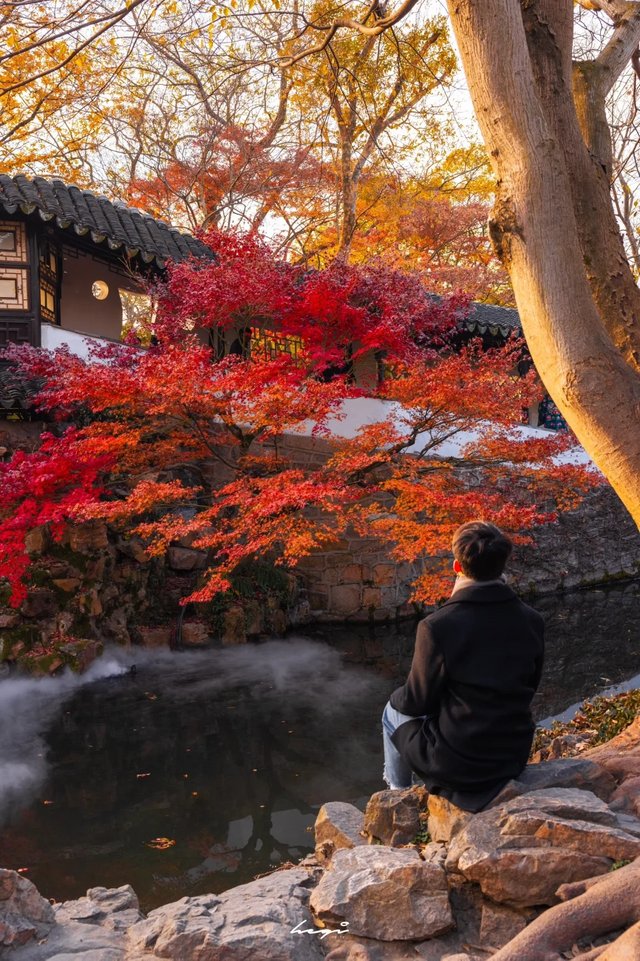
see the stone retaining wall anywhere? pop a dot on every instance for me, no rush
(357, 580)
(116, 594)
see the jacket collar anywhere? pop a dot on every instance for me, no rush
(482, 592)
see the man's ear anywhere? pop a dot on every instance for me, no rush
(457, 567)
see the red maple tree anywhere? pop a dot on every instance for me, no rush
(441, 445)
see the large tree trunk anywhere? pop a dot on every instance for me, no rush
(349, 199)
(575, 112)
(536, 233)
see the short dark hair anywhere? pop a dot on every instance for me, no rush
(482, 550)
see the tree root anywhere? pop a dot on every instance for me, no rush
(590, 908)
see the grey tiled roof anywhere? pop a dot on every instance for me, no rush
(16, 390)
(90, 215)
(482, 317)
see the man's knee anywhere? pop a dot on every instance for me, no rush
(386, 718)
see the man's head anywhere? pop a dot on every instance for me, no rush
(480, 550)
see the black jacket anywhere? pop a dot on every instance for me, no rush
(476, 666)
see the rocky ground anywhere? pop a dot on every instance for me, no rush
(550, 871)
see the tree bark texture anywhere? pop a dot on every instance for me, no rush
(553, 233)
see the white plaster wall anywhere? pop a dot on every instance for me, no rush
(79, 309)
(359, 411)
(79, 344)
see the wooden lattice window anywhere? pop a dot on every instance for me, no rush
(270, 344)
(49, 282)
(14, 267)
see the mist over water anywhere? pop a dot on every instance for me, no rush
(308, 673)
(28, 706)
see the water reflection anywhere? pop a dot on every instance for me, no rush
(229, 753)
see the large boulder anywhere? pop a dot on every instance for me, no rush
(24, 914)
(254, 920)
(338, 825)
(91, 928)
(393, 817)
(445, 819)
(521, 851)
(582, 773)
(384, 893)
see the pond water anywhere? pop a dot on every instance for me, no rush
(228, 754)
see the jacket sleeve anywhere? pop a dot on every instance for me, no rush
(421, 692)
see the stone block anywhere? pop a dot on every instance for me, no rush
(389, 597)
(24, 914)
(186, 559)
(384, 893)
(90, 536)
(318, 600)
(351, 574)
(113, 908)
(521, 851)
(133, 547)
(195, 634)
(67, 584)
(445, 819)
(570, 772)
(315, 562)
(393, 817)
(384, 574)
(332, 576)
(338, 825)
(83, 653)
(234, 629)
(155, 636)
(255, 920)
(39, 604)
(36, 540)
(90, 603)
(345, 599)
(115, 627)
(277, 621)
(371, 597)
(499, 925)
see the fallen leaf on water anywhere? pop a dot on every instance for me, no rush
(144, 774)
(151, 696)
(22, 870)
(160, 844)
(47, 802)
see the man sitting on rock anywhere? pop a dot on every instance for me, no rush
(462, 721)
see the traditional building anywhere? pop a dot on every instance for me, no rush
(71, 262)
(73, 266)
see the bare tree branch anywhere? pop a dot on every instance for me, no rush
(620, 48)
(379, 26)
(116, 18)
